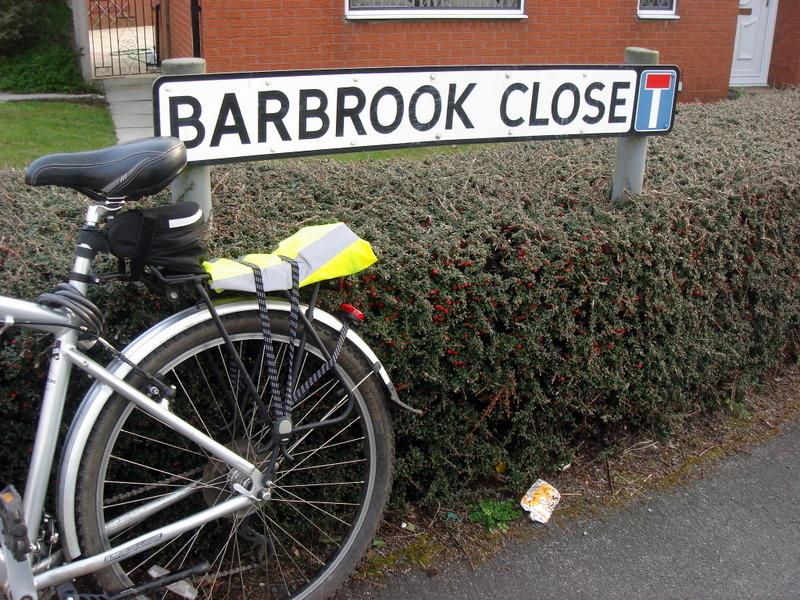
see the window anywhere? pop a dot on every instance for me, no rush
(435, 9)
(657, 9)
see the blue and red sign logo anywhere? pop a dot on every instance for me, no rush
(657, 89)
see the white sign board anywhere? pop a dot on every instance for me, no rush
(246, 116)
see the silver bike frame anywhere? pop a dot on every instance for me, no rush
(18, 580)
(22, 584)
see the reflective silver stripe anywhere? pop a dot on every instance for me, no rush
(276, 277)
(175, 223)
(326, 248)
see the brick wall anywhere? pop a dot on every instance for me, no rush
(785, 65)
(243, 35)
(177, 24)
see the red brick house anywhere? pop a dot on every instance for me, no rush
(716, 43)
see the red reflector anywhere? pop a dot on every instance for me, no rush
(658, 81)
(350, 309)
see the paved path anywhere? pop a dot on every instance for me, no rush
(733, 535)
(130, 100)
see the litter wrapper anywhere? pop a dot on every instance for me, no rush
(321, 251)
(540, 500)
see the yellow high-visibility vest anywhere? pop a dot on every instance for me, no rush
(321, 251)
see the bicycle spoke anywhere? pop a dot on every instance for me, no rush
(150, 557)
(314, 525)
(137, 500)
(231, 389)
(187, 547)
(315, 503)
(191, 402)
(210, 389)
(157, 470)
(223, 551)
(314, 506)
(163, 443)
(288, 555)
(291, 537)
(329, 447)
(153, 476)
(305, 485)
(143, 483)
(239, 560)
(295, 467)
(331, 386)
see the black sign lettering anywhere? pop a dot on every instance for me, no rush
(412, 107)
(615, 102)
(455, 106)
(352, 113)
(534, 120)
(193, 120)
(399, 110)
(276, 118)
(595, 103)
(230, 107)
(514, 87)
(576, 103)
(254, 116)
(306, 113)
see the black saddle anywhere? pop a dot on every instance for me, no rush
(124, 172)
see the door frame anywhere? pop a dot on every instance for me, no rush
(766, 59)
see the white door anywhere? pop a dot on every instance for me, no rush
(754, 32)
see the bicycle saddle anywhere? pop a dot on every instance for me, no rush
(124, 172)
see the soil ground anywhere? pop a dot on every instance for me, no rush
(440, 539)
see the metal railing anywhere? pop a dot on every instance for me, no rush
(124, 37)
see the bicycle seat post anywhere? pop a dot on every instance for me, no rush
(96, 214)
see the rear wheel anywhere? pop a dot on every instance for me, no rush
(325, 505)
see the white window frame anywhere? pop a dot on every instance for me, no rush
(655, 13)
(433, 13)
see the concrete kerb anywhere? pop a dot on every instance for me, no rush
(94, 99)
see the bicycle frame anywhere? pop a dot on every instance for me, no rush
(18, 579)
(66, 355)
(21, 580)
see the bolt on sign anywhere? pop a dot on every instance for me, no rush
(248, 116)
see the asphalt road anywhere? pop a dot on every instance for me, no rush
(733, 534)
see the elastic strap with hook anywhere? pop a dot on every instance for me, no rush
(284, 403)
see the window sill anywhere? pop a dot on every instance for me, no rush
(375, 15)
(657, 17)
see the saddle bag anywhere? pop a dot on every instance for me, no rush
(168, 237)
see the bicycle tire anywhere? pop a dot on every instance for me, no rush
(300, 543)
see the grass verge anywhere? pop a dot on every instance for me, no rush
(32, 129)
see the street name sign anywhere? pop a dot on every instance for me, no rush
(224, 117)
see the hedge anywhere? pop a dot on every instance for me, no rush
(522, 311)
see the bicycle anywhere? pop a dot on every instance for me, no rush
(241, 447)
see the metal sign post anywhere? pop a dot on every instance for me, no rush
(196, 178)
(632, 151)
